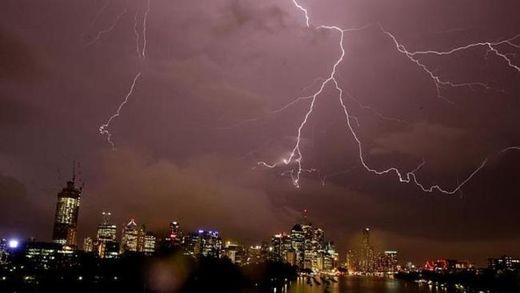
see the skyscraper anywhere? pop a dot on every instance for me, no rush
(204, 243)
(367, 253)
(66, 218)
(234, 252)
(106, 238)
(175, 237)
(88, 244)
(298, 244)
(277, 247)
(387, 262)
(149, 245)
(132, 238)
(105, 230)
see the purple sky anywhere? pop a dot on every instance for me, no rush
(200, 118)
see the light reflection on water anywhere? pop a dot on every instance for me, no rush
(355, 284)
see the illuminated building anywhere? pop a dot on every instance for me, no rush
(255, 254)
(66, 217)
(367, 253)
(3, 251)
(298, 244)
(258, 253)
(281, 245)
(504, 263)
(277, 248)
(309, 253)
(387, 262)
(290, 257)
(105, 230)
(42, 255)
(352, 261)
(329, 256)
(391, 261)
(203, 243)
(106, 243)
(192, 244)
(149, 244)
(314, 247)
(88, 244)
(451, 265)
(234, 252)
(175, 236)
(304, 247)
(132, 238)
(367, 261)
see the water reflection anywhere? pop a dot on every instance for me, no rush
(356, 284)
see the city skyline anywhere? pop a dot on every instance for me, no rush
(304, 245)
(172, 108)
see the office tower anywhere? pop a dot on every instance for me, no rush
(106, 235)
(150, 242)
(132, 238)
(66, 217)
(49, 256)
(106, 231)
(204, 243)
(367, 252)
(174, 237)
(281, 246)
(88, 244)
(234, 252)
(504, 263)
(352, 261)
(255, 254)
(388, 262)
(276, 247)
(309, 254)
(329, 256)
(298, 244)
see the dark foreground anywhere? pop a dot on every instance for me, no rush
(175, 272)
(136, 273)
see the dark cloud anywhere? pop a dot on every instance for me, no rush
(18, 60)
(13, 113)
(20, 214)
(450, 152)
(205, 111)
(195, 192)
(239, 14)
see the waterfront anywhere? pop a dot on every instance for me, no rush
(355, 284)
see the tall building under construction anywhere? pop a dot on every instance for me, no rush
(66, 217)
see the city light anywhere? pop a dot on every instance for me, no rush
(13, 243)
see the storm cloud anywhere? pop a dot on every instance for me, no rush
(205, 111)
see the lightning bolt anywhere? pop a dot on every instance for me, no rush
(305, 12)
(511, 148)
(296, 157)
(145, 20)
(108, 29)
(137, 35)
(327, 176)
(413, 56)
(99, 12)
(104, 128)
(373, 111)
(492, 46)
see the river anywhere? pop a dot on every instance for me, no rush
(356, 284)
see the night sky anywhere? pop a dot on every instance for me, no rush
(201, 117)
